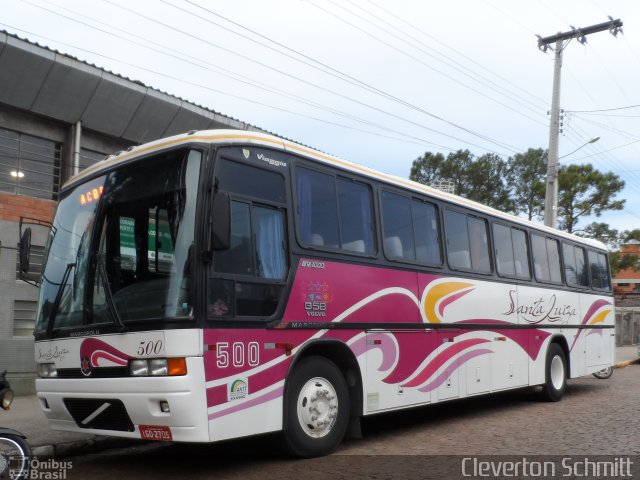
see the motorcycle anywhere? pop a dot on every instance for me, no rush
(15, 452)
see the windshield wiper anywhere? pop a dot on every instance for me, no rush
(58, 299)
(107, 289)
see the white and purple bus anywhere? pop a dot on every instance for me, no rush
(220, 284)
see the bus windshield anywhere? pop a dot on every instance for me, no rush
(121, 246)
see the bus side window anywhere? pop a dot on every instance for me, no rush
(317, 208)
(546, 259)
(598, 265)
(356, 217)
(457, 234)
(467, 242)
(504, 250)
(397, 231)
(247, 280)
(334, 212)
(426, 232)
(575, 270)
(540, 259)
(521, 253)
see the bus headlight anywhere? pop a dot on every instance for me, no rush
(139, 368)
(157, 367)
(47, 370)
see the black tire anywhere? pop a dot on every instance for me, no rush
(15, 456)
(555, 374)
(316, 393)
(604, 373)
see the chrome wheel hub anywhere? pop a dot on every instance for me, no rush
(557, 372)
(317, 407)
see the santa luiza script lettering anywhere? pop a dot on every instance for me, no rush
(540, 310)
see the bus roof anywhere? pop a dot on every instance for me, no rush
(259, 139)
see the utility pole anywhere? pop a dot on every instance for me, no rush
(551, 195)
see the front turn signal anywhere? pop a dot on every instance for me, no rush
(176, 366)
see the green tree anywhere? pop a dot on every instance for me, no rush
(602, 232)
(476, 178)
(525, 178)
(618, 262)
(629, 235)
(584, 191)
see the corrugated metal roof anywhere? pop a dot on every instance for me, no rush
(48, 82)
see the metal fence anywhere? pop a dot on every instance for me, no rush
(627, 328)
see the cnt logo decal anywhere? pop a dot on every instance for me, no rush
(238, 389)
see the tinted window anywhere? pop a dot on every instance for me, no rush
(250, 181)
(317, 208)
(574, 265)
(397, 232)
(410, 229)
(269, 252)
(521, 253)
(479, 241)
(238, 258)
(258, 249)
(504, 250)
(335, 213)
(546, 259)
(599, 268)
(356, 220)
(257, 243)
(553, 251)
(457, 235)
(467, 242)
(425, 228)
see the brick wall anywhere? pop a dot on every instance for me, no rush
(12, 207)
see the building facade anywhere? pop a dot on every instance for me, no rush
(59, 115)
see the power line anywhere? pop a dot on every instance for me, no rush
(413, 57)
(223, 72)
(461, 54)
(418, 140)
(257, 85)
(315, 85)
(603, 109)
(342, 76)
(443, 58)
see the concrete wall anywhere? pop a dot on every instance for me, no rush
(17, 352)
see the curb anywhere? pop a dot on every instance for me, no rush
(626, 363)
(82, 447)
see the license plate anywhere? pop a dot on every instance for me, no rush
(153, 432)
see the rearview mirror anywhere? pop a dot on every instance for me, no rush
(26, 271)
(221, 222)
(25, 250)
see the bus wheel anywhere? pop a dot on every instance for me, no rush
(316, 408)
(555, 374)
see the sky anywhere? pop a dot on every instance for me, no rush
(377, 82)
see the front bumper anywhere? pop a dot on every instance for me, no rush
(140, 396)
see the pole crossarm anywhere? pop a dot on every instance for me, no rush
(551, 194)
(614, 26)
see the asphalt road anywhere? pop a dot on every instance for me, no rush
(596, 417)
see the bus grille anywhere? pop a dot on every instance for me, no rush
(102, 372)
(102, 414)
